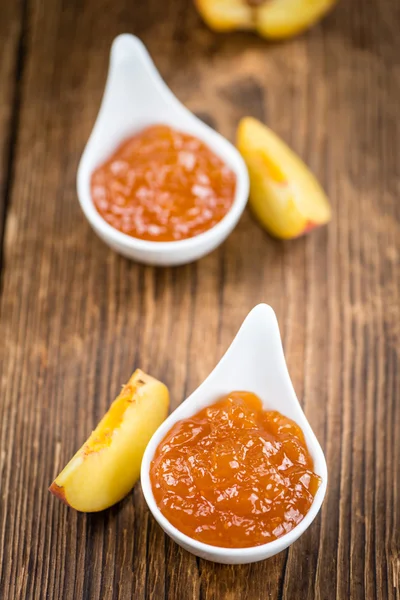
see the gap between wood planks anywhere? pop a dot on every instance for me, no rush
(12, 133)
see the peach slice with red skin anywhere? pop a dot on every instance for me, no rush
(273, 19)
(107, 466)
(285, 196)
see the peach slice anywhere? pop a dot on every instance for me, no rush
(285, 196)
(107, 466)
(272, 19)
(226, 15)
(277, 19)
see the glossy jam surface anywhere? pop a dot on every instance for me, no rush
(163, 185)
(234, 475)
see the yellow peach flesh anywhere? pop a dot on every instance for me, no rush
(284, 195)
(285, 18)
(272, 19)
(226, 15)
(107, 466)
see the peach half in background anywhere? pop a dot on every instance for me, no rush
(273, 19)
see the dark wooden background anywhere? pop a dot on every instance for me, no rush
(76, 319)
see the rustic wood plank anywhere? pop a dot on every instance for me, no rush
(11, 66)
(76, 318)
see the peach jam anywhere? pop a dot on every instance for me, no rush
(234, 475)
(163, 185)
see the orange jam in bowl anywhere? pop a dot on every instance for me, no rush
(163, 185)
(234, 475)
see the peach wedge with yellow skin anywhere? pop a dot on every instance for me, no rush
(285, 196)
(226, 15)
(273, 19)
(107, 466)
(278, 19)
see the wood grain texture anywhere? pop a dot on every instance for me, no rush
(76, 319)
(12, 21)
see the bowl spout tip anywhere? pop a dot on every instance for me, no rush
(262, 311)
(126, 45)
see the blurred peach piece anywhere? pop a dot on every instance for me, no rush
(272, 19)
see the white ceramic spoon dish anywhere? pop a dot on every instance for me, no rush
(254, 362)
(136, 97)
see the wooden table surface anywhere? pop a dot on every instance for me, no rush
(76, 319)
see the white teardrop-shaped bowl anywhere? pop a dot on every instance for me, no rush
(254, 362)
(136, 97)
